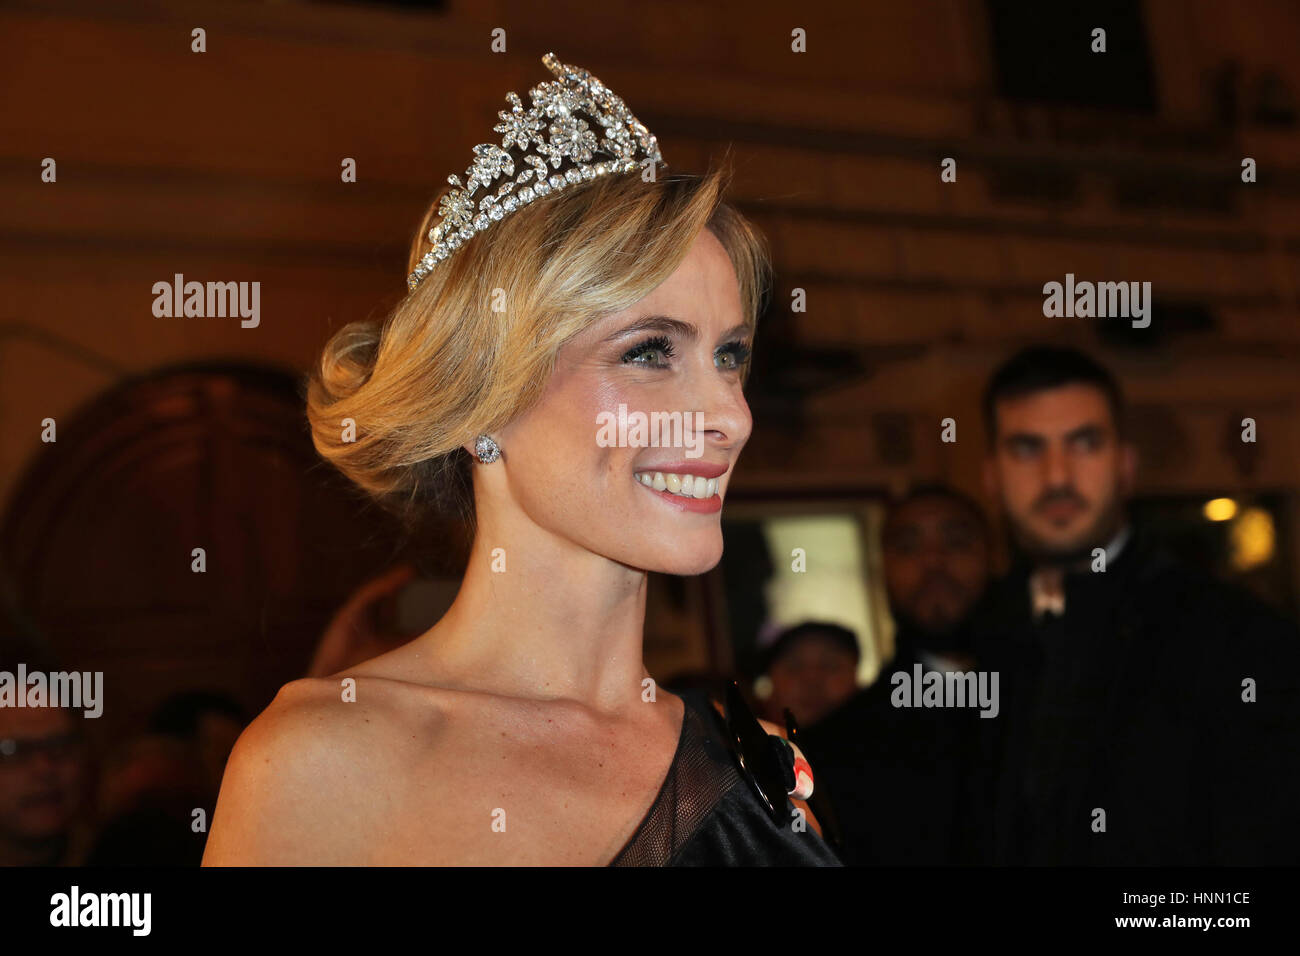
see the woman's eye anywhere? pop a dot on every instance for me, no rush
(653, 352)
(731, 356)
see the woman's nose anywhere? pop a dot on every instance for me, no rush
(723, 412)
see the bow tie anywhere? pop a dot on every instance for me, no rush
(1047, 593)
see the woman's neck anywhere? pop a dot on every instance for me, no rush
(541, 617)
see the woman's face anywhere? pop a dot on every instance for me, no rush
(582, 463)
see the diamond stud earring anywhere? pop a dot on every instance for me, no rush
(486, 449)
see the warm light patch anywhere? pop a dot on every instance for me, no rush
(1253, 539)
(1220, 509)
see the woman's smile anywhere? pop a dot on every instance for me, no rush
(686, 486)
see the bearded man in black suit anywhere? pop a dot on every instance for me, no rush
(1149, 714)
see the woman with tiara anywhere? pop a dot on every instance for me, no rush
(562, 284)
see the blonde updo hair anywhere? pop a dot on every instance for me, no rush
(444, 367)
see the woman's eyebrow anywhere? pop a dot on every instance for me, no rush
(672, 326)
(657, 323)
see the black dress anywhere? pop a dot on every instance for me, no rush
(707, 812)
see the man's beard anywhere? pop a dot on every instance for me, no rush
(941, 634)
(1098, 535)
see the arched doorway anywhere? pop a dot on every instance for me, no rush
(99, 539)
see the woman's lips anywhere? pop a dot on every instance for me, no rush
(694, 488)
(707, 469)
(698, 505)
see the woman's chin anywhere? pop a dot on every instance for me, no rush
(687, 562)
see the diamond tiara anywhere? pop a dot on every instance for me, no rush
(551, 131)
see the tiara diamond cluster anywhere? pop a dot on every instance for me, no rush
(552, 131)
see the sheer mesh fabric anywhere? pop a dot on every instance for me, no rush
(700, 775)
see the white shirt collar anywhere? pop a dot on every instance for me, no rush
(1043, 600)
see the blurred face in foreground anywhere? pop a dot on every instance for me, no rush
(1060, 470)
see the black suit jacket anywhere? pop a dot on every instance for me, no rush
(891, 775)
(1123, 736)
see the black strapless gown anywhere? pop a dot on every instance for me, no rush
(707, 813)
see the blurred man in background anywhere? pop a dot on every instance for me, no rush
(42, 771)
(936, 549)
(154, 785)
(1148, 714)
(892, 774)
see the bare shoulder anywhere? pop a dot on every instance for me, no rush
(300, 776)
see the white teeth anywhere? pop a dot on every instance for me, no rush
(688, 486)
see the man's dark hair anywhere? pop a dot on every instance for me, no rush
(1041, 368)
(929, 490)
(785, 641)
